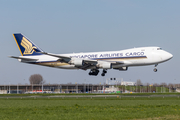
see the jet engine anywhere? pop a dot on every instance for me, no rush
(106, 65)
(78, 62)
(122, 68)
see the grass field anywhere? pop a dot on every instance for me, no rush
(87, 108)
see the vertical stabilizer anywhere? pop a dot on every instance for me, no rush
(26, 47)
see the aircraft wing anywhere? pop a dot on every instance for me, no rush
(65, 59)
(88, 63)
(55, 55)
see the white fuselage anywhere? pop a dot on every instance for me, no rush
(130, 57)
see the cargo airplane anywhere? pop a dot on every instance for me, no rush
(118, 60)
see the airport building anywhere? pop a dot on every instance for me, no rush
(126, 87)
(53, 88)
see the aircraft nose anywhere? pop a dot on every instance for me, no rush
(170, 55)
(167, 56)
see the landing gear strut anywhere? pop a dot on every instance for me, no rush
(94, 72)
(155, 69)
(104, 72)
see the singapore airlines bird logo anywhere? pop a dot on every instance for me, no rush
(29, 48)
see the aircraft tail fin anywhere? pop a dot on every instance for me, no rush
(26, 47)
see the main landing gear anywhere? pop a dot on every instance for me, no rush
(155, 69)
(104, 72)
(94, 72)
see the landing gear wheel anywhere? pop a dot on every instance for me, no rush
(104, 71)
(155, 70)
(94, 72)
(103, 74)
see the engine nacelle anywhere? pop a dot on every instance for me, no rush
(106, 65)
(123, 68)
(78, 62)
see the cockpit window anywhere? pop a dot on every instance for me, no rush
(159, 48)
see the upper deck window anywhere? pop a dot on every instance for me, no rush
(159, 48)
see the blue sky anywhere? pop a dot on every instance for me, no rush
(89, 26)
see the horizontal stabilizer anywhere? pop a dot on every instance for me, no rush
(24, 59)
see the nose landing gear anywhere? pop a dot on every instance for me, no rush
(155, 69)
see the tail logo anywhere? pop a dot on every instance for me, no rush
(28, 46)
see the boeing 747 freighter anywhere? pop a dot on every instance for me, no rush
(118, 60)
